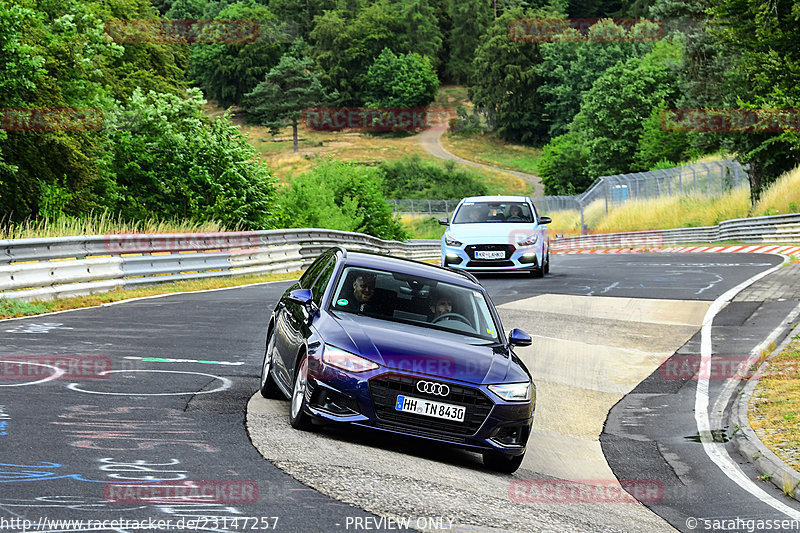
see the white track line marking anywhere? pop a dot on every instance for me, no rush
(55, 375)
(226, 384)
(715, 451)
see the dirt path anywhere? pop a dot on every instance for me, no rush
(431, 141)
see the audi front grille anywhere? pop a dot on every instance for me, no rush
(386, 387)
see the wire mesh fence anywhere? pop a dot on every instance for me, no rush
(423, 207)
(714, 178)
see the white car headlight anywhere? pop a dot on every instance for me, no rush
(513, 392)
(343, 360)
(449, 241)
(530, 240)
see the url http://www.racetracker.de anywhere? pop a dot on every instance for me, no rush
(243, 523)
(751, 525)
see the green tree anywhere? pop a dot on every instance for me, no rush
(657, 145)
(48, 46)
(186, 9)
(508, 79)
(563, 165)
(614, 110)
(405, 80)
(171, 161)
(765, 36)
(470, 18)
(346, 42)
(288, 89)
(228, 71)
(420, 32)
(339, 195)
(571, 64)
(20, 69)
(706, 79)
(301, 13)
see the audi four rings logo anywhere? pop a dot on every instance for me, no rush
(440, 389)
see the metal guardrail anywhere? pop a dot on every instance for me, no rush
(756, 230)
(72, 266)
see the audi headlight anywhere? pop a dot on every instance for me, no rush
(449, 241)
(529, 241)
(513, 392)
(343, 360)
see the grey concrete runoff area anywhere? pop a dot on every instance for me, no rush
(582, 368)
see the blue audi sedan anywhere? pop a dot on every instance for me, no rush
(497, 233)
(402, 347)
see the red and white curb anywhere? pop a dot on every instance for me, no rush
(757, 249)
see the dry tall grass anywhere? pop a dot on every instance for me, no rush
(101, 224)
(658, 213)
(676, 212)
(782, 197)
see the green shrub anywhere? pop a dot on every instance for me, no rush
(172, 161)
(405, 80)
(412, 177)
(53, 198)
(339, 195)
(467, 124)
(562, 165)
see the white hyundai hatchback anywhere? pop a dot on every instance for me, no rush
(496, 233)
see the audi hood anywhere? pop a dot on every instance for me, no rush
(421, 350)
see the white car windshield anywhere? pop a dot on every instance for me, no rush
(488, 212)
(415, 300)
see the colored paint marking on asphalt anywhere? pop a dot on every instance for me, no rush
(171, 360)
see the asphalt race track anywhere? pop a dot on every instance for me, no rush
(155, 395)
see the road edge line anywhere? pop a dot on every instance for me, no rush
(714, 450)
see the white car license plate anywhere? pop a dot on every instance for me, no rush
(408, 404)
(490, 254)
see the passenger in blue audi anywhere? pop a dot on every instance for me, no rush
(354, 342)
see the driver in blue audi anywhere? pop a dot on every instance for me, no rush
(441, 303)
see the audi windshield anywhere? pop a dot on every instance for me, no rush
(415, 300)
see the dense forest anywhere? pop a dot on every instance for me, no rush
(138, 143)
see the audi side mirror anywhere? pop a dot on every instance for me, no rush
(517, 337)
(301, 296)
(444, 221)
(544, 220)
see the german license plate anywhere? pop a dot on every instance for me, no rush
(419, 406)
(490, 254)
